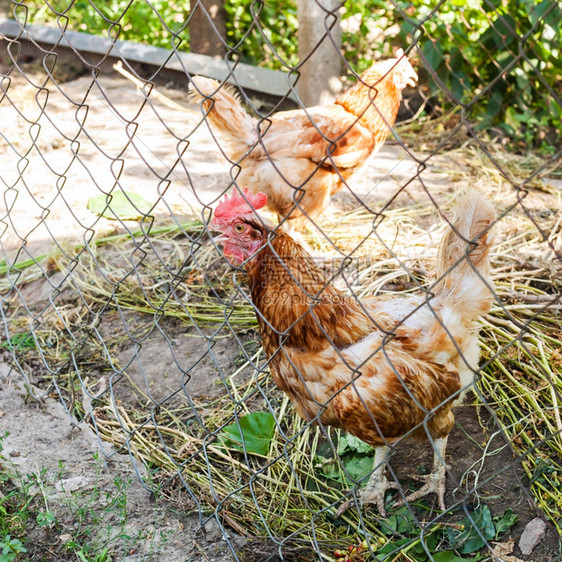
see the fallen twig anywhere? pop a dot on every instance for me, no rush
(118, 66)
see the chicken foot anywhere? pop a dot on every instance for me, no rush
(435, 481)
(374, 492)
(377, 486)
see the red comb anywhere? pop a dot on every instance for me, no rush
(236, 205)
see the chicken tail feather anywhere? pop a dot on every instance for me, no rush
(224, 112)
(463, 266)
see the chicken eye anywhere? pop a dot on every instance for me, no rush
(240, 228)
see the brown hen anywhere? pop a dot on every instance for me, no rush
(380, 368)
(300, 158)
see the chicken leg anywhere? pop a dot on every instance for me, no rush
(435, 481)
(377, 486)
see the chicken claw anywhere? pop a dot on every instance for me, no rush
(374, 493)
(434, 484)
(435, 481)
(376, 488)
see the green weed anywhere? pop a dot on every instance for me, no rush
(20, 341)
(98, 517)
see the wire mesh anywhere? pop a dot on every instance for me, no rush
(116, 299)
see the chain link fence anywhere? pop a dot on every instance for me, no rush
(116, 300)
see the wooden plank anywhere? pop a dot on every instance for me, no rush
(264, 80)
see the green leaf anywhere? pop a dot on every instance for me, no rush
(504, 29)
(522, 81)
(457, 88)
(490, 5)
(391, 547)
(357, 466)
(389, 525)
(495, 104)
(433, 55)
(45, 518)
(456, 60)
(352, 443)
(504, 522)
(252, 433)
(432, 539)
(331, 471)
(549, 12)
(470, 540)
(401, 521)
(123, 205)
(11, 548)
(512, 118)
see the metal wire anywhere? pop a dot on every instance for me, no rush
(101, 337)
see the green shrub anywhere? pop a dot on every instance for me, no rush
(500, 58)
(277, 27)
(154, 24)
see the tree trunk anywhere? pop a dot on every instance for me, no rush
(207, 27)
(319, 31)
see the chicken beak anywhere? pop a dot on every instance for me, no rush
(220, 239)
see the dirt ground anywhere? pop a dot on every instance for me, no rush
(75, 476)
(48, 181)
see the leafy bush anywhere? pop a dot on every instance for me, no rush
(277, 27)
(154, 24)
(499, 58)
